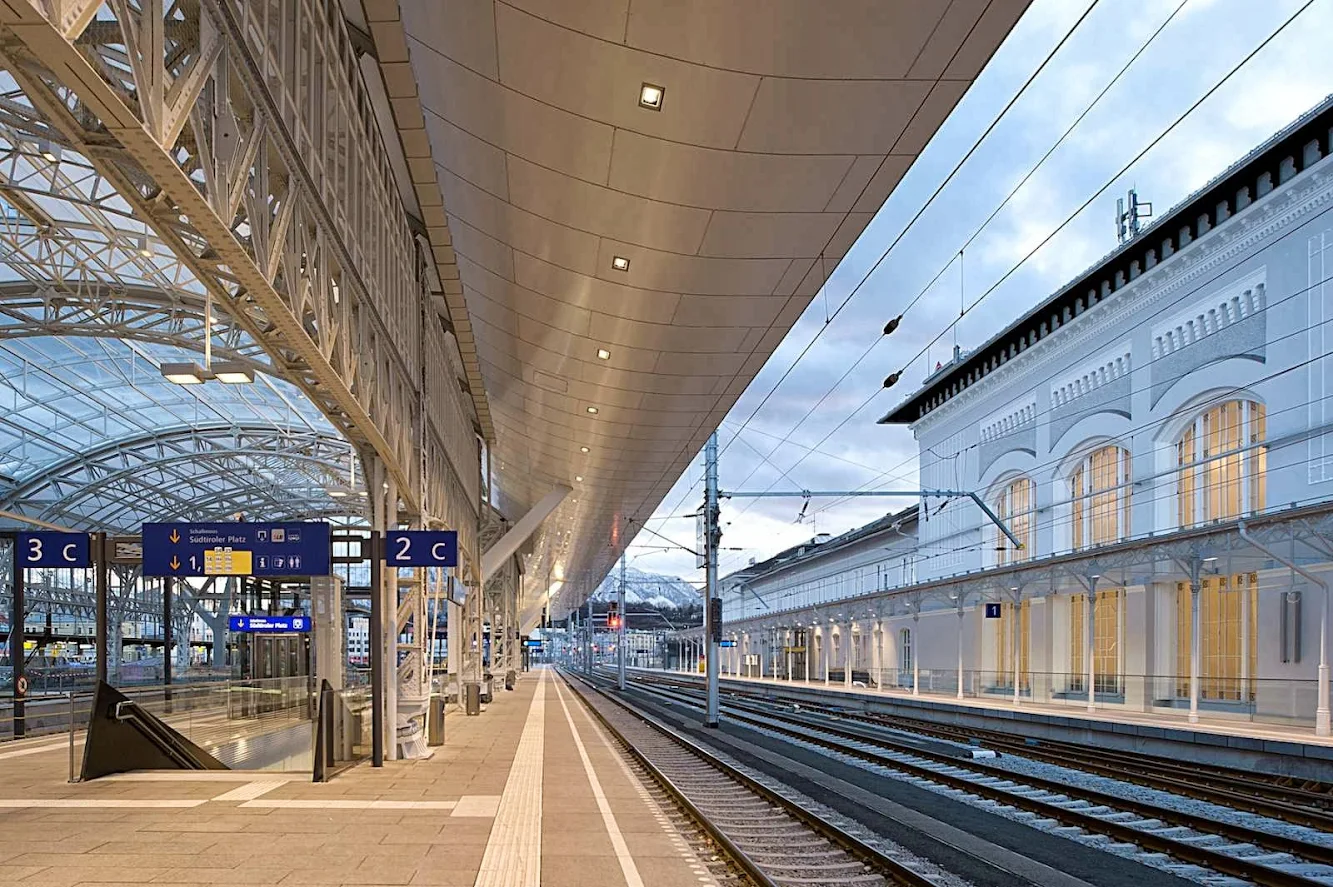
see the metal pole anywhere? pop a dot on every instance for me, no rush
(377, 653)
(1090, 647)
(713, 612)
(587, 636)
(16, 650)
(1194, 642)
(102, 578)
(960, 647)
(167, 584)
(620, 637)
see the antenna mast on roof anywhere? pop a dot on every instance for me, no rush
(1127, 225)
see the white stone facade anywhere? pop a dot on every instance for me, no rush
(1185, 384)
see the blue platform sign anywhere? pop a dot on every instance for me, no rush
(53, 549)
(993, 611)
(236, 549)
(726, 643)
(264, 624)
(533, 642)
(421, 548)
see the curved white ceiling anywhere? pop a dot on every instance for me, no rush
(783, 127)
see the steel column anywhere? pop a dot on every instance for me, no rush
(102, 578)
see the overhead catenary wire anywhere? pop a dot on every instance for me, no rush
(1194, 106)
(890, 474)
(1022, 90)
(976, 233)
(908, 227)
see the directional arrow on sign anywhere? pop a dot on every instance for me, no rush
(175, 536)
(175, 563)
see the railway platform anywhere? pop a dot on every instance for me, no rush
(1287, 750)
(532, 792)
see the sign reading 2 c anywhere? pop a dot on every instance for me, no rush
(421, 548)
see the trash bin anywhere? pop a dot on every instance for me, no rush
(472, 697)
(435, 721)
(486, 687)
(510, 678)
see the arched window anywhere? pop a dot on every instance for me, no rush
(905, 649)
(1222, 463)
(1014, 505)
(1099, 498)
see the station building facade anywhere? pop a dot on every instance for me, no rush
(1158, 438)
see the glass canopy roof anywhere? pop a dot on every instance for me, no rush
(91, 305)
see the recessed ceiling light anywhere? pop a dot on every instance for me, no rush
(583, 449)
(592, 410)
(603, 354)
(619, 263)
(650, 96)
(578, 478)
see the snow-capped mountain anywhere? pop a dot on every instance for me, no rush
(650, 589)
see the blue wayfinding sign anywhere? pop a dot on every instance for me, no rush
(53, 549)
(236, 549)
(421, 548)
(726, 643)
(992, 611)
(269, 623)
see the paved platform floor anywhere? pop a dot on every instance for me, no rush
(1176, 720)
(532, 793)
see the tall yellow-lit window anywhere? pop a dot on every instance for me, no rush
(1222, 464)
(1105, 641)
(1228, 620)
(1099, 498)
(1014, 506)
(1004, 646)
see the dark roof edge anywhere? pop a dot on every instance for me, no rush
(1294, 149)
(790, 557)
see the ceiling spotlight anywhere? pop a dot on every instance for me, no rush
(619, 263)
(183, 373)
(233, 372)
(583, 449)
(603, 354)
(578, 478)
(50, 153)
(650, 96)
(142, 247)
(337, 494)
(592, 411)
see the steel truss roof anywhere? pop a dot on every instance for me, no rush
(241, 134)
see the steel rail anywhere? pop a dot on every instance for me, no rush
(1216, 784)
(888, 867)
(1235, 866)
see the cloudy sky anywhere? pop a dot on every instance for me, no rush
(837, 446)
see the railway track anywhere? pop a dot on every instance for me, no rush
(1251, 855)
(770, 838)
(1308, 803)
